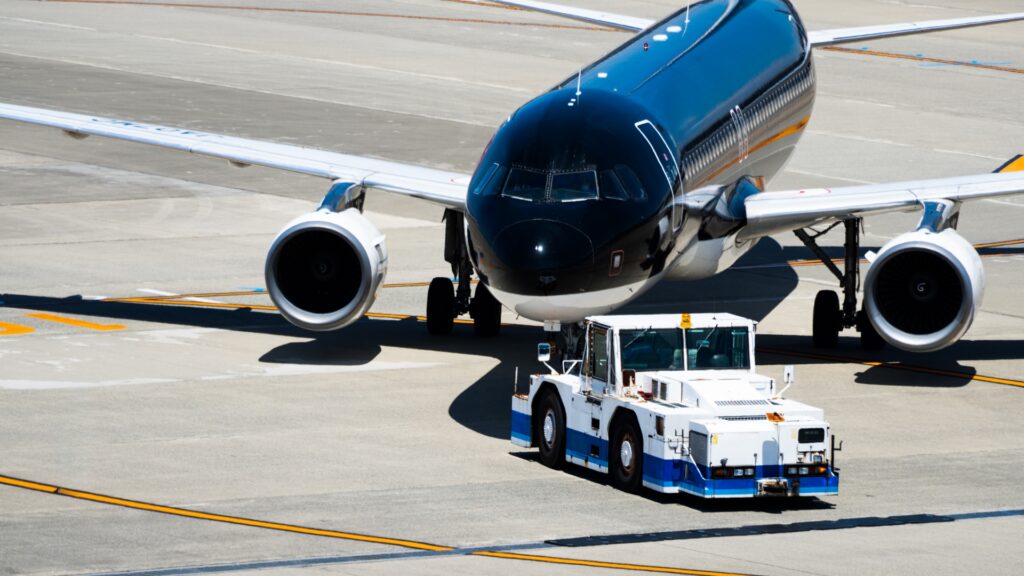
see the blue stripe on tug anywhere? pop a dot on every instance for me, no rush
(681, 475)
(522, 431)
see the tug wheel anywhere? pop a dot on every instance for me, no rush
(440, 306)
(626, 459)
(549, 429)
(827, 319)
(486, 312)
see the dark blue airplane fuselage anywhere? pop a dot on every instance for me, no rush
(582, 195)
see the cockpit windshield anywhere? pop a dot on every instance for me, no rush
(702, 348)
(551, 186)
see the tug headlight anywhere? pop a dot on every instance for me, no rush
(818, 470)
(732, 472)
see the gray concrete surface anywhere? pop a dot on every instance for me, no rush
(381, 430)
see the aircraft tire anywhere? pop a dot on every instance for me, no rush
(870, 339)
(486, 312)
(826, 319)
(440, 306)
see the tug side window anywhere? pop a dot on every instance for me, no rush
(599, 354)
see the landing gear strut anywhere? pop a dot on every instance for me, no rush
(829, 318)
(445, 303)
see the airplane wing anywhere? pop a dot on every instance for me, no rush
(844, 35)
(816, 38)
(612, 20)
(445, 188)
(772, 212)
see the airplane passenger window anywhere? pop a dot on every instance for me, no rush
(630, 180)
(574, 186)
(526, 185)
(611, 186)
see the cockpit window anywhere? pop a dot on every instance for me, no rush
(611, 186)
(491, 183)
(631, 182)
(546, 186)
(526, 185)
(573, 186)
(718, 348)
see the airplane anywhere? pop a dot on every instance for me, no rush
(652, 162)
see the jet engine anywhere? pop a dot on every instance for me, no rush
(923, 288)
(325, 269)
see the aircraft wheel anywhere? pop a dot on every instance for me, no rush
(827, 319)
(440, 306)
(870, 339)
(549, 429)
(486, 312)
(626, 457)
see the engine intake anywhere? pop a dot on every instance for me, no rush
(324, 269)
(923, 288)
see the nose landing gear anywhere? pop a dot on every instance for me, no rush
(829, 319)
(445, 302)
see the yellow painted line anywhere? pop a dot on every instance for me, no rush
(74, 322)
(1014, 165)
(893, 366)
(600, 564)
(28, 485)
(187, 513)
(921, 59)
(8, 329)
(1003, 243)
(166, 302)
(341, 13)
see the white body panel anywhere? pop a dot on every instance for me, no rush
(696, 424)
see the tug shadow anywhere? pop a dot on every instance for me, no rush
(703, 505)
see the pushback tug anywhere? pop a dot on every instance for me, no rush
(673, 403)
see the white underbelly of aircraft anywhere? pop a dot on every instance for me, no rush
(572, 307)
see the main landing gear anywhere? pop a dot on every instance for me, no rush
(445, 302)
(829, 317)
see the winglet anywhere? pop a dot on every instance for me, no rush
(1015, 164)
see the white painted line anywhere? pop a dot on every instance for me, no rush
(156, 292)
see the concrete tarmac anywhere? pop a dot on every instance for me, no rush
(208, 435)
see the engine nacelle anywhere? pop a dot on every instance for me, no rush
(923, 288)
(325, 269)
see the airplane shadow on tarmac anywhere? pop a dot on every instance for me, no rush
(746, 289)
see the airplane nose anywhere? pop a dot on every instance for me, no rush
(545, 256)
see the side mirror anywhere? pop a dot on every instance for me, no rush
(543, 352)
(788, 375)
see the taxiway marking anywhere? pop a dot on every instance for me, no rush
(343, 13)
(294, 528)
(599, 564)
(891, 365)
(185, 512)
(8, 329)
(921, 58)
(74, 322)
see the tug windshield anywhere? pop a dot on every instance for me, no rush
(718, 348)
(647, 350)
